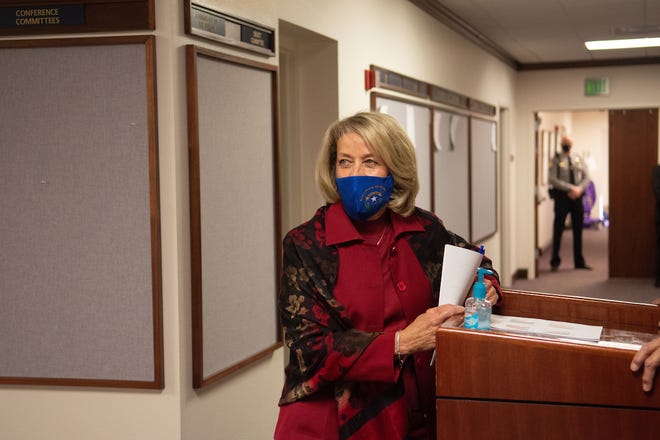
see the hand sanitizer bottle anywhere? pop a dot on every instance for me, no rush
(477, 307)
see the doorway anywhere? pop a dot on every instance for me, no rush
(621, 148)
(589, 131)
(309, 93)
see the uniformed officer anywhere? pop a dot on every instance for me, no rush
(569, 177)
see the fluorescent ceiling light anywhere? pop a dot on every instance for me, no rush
(622, 44)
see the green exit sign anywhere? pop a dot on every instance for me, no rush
(597, 86)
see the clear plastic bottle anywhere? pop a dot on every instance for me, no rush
(477, 308)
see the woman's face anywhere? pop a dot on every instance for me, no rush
(355, 159)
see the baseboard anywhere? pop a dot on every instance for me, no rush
(520, 274)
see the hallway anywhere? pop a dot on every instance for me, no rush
(593, 284)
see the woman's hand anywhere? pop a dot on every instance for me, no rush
(420, 334)
(491, 292)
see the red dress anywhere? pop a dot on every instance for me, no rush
(350, 385)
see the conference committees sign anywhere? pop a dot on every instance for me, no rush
(71, 17)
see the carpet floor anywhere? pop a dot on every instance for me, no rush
(587, 283)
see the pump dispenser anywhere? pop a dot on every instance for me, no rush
(477, 307)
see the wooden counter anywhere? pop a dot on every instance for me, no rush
(494, 385)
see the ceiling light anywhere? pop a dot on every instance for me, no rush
(622, 44)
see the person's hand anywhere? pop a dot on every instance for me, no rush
(491, 292)
(420, 334)
(648, 358)
(574, 192)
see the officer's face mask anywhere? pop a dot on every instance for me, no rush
(565, 148)
(364, 196)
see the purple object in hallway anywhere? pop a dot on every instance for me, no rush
(588, 202)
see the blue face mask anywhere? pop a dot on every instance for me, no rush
(364, 196)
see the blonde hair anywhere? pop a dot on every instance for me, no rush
(386, 138)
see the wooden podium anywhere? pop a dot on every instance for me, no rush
(493, 385)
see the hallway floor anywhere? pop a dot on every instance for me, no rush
(594, 283)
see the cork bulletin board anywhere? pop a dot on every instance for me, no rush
(234, 212)
(80, 267)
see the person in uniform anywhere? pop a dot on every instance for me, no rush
(569, 177)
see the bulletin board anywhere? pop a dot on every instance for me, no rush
(80, 267)
(458, 171)
(234, 212)
(451, 165)
(483, 178)
(416, 120)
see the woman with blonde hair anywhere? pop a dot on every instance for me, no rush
(359, 293)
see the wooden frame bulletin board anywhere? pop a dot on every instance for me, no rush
(80, 267)
(234, 211)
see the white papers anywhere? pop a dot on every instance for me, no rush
(546, 328)
(621, 345)
(459, 269)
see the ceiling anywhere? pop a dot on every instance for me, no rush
(542, 34)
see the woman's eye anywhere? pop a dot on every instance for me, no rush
(344, 163)
(370, 163)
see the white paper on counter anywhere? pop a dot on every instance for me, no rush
(459, 269)
(546, 328)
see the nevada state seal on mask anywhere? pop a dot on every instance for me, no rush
(364, 196)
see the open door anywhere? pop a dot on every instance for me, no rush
(633, 136)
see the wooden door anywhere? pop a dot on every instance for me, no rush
(633, 138)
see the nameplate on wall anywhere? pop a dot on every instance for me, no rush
(212, 24)
(444, 96)
(395, 81)
(66, 16)
(482, 107)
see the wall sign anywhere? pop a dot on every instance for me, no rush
(54, 15)
(69, 16)
(218, 26)
(596, 87)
